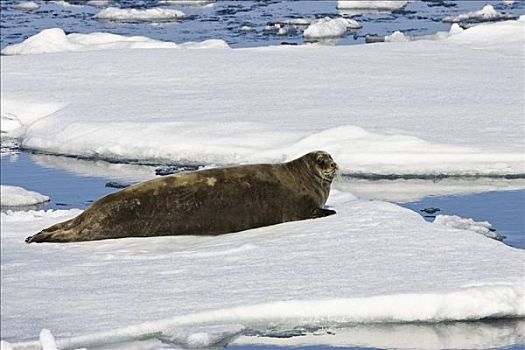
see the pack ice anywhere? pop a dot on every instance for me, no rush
(373, 262)
(403, 108)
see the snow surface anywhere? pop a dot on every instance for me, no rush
(155, 14)
(400, 37)
(27, 6)
(47, 340)
(487, 13)
(329, 28)
(9, 122)
(188, 2)
(276, 103)
(18, 196)
(369, 263)
(481, 227)
(56, 40)
(382, 5)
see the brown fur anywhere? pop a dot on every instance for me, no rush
(207, 202)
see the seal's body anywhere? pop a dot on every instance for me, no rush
(207, 202)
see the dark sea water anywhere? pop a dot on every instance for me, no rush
(72, 183)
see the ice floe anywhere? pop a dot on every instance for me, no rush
(487, 13)
(98, 3)
(9, 122)
(156, 14)
(369, 263)
(27, 6)
(482, 227)
(380, 5)
(17, 196)
(398, 36)
(188, 2)
(56, 40)
(64, 3)
(321, 98)
(329, 28)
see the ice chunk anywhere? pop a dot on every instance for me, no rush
(206, 44)
(330, 28)
(188, 2)
(98, 3)
(18, 196)
(380, 5)
(201, 337)
(246, 29)
(9, 122)
(156, 14)
(487, 13)
(64, 3)
(482, 227)
(5, 345)
(56, 40)
(47, 340)
(27, 6)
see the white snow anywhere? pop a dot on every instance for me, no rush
(155, 14)
(381, 5)
(188, 2)
(487, 13)
(246, 29)
(329, 28)
(27, 6)
(64, 3)
(47, 340)
(369, 263)
(481, 227)
(56, 40)
(9, 122)
(18, 196)
(206, 44)
(276, 103)
(98, 3)
(398, 36)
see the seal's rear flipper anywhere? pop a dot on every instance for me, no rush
(320, 213)
(44, 236)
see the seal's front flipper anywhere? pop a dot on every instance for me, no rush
(320, 213)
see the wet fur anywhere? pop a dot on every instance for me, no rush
(208, 202)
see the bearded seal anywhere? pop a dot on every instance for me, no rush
(206, 202)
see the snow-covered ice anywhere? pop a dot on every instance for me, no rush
(27, 6)
(370, 262)
(98, 3)
(481, 227)
(17, 196)
(276, 103)
(47, 340)
(56, 40)
(64, 3)
(400, 37)
(378, 5)
(9, 122)
(188, 2)
(330, 28)
(136, 15)
(487, 13)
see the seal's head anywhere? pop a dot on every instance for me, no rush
(322, 164)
